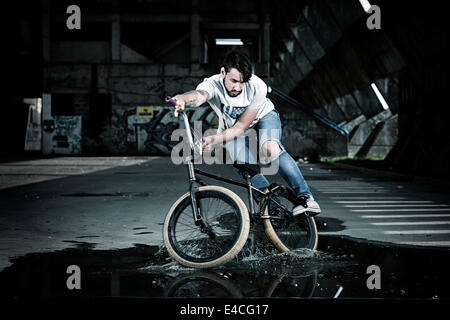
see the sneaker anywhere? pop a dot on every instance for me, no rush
(308, 205)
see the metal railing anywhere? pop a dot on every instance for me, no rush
(308, 111)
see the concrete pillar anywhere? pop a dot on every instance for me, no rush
(196, 45)
(266, 47)
(300, 57)
(115, 32)
(48, 124)
(46, 49)
(292, 70)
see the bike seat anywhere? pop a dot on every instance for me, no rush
(247, 169)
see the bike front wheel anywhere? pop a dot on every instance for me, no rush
(224, 214)
(288, 233)
(201, 284)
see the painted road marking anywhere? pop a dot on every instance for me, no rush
(394, 205)
(417, 232)
(373, 198)
(386, 201)
(409, 223)
(400, 210)
(397, 216)
(356, 191)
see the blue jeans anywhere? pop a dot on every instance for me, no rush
(269, 129)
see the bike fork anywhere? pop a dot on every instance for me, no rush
(192, 183)
(198, 219)
(250, 193)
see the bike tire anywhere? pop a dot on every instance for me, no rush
(201, 284)
(183, 250)
(301, 233)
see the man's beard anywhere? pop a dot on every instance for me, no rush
(232, 93)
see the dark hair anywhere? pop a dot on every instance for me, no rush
(239, 61)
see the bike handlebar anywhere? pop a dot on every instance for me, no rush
(201, 140)
(171, 101)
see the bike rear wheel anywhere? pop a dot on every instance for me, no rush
(290, 233)
(224, 213)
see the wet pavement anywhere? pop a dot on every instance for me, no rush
(105, 216)
(339, 268)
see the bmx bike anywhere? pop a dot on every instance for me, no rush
(209, 225)
(202, 284)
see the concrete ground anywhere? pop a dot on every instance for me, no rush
(107, 203)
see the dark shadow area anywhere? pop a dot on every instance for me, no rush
(329, 224)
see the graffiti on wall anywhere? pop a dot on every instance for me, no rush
(148, 129)
(66, 137)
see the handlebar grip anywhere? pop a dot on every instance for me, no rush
(171, 101)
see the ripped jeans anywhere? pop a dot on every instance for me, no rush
(269, 129)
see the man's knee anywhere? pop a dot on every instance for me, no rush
(271, 148)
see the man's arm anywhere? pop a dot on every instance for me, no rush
(241, 125)
(192, 98)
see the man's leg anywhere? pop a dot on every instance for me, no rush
(287, 168)
(271, 148)
(291, 173)
(238, 150)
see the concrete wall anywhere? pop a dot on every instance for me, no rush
(323, 60)
(130, 85)
(319, 52)
(335, 58)
(328, 60)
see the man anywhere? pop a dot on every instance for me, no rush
(240, 100)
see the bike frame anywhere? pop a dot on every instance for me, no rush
(194, 182)
(250, 188)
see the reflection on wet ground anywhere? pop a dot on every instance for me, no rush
(337, 269)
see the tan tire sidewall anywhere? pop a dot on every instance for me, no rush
(273, 237)
(245, 227)
(202, 275)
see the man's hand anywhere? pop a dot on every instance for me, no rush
(180, 104)
(239, 128)
(193, 98)
(208, 142)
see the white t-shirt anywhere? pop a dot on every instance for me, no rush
(253, 96)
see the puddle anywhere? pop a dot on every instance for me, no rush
(337, 268)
